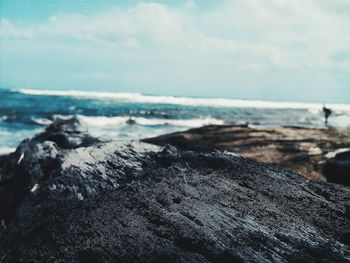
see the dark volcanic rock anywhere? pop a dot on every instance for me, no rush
(66, 134)
(36, 161)
(113, 202)
(337, 169)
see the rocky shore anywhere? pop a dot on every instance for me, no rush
(68, 197)
(299, 150)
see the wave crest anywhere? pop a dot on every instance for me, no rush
(186, 101)
(122, 120)
(117, 121)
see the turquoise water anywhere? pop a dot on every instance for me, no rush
(26, 112)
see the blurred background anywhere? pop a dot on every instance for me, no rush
(135, 69)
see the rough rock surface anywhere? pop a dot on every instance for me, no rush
(36, 161)
(299, 150)
(112, 202)
(337, 169)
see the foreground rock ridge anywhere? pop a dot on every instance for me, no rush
(68, 197)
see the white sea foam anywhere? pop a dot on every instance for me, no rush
(6, 150)
(3, 118)
(41, 121)
(46, 122)
(118, 121)
(102, 121)
(334, 153)
(62, 117)
(140, 98)
(340, 121)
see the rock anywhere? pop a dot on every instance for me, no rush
(36, 159)
(299, 150)
(117, 202)
(131, 121)
(66, 134)
(337, 169)
(7, 204)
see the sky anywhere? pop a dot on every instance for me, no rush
(282, 50)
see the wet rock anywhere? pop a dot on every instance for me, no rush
(66, 134)
(337, 169)
(117, 202)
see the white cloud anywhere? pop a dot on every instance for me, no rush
(283, 33)
(251, 36)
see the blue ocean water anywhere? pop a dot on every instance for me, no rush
(26, 112)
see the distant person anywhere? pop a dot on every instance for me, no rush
(327, 112)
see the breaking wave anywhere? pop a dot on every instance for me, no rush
(117, 121)
(6, 150)
(187, 101)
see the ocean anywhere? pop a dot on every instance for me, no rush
(132, 116)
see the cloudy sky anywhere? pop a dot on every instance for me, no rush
(290, 50)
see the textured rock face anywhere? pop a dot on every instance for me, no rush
(112, 202)
(299, 150)
(337, 169)
(37, 161)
